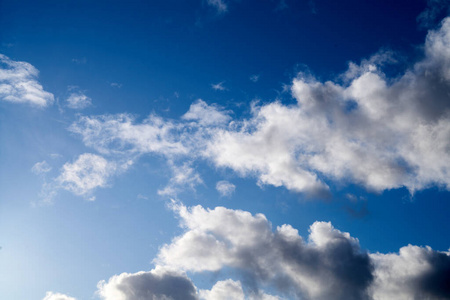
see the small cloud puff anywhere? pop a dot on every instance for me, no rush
(78, 100)
(225, 188)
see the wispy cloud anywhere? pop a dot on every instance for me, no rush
(116, 85)
(41, 168)
(79, 61)
(18, 83)
(218, 86)
(434, 11)
(254, 78)
(219, 5)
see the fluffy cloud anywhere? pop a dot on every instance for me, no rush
(88, 172)
(413, 273)
(225, 188)
(224, 290)
(205, 114)
(363, 128)
(157, 284)
(57, 296)
(78, 100)
(220, 238)
(18, 83)
(328, 265)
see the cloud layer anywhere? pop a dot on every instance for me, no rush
(18, 83)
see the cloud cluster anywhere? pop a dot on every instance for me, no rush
(18, 83)
(365, 128)
(329, 264)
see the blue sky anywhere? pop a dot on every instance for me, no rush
(205, 149)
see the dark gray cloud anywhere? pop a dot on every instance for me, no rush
(160, 283)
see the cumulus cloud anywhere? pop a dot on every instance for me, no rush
(379, 132)
(87, 173)
(224, 290)
(159, 283)
(18, 83)
(225, 188)
(363, 128)
(219, 238)
(78, 100)
(57, 296)
(413, 273)
(328, 265)
(41, 168)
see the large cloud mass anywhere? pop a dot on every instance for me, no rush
(364, 128)
(328, 265)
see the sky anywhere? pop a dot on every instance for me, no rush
(224, 149)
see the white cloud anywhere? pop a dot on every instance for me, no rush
(364, 128)
(120, 135)
(205, 114)
(57, 296)
(220, 5)
(87, 173)
(328, 265)
(41, 167)
(224, 290)
(159, 283)
(219, 86)
(225, 188)
(413, 273)
(78, 100)
(18, 83)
